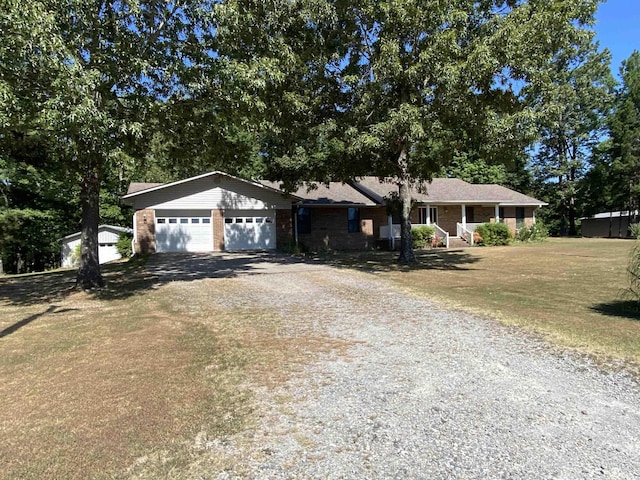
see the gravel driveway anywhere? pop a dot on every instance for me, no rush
(425, 392)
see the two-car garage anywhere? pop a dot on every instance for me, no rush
(193, 231)
(211, 212)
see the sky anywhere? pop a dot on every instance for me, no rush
(618, 29)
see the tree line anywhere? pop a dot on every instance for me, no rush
(95, 94)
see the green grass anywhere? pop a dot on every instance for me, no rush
(571, 291)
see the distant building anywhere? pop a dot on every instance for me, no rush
(107, 237)
(607, 224)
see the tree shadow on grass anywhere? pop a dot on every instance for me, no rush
(138, 276)
(619, 308)
(385, 261)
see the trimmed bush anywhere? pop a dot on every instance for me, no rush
(537, 232)
(494, 234)
(421, 236)
(123, 245)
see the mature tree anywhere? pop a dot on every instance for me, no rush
(36, 203)
(87, 73)
(624, 131)
(613, 182)
(475, 171)
(575, 100)
(425, 81)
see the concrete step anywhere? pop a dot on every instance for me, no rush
(455, 242)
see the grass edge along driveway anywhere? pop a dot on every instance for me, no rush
(569, 291)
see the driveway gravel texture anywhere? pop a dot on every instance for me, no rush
(423, 392)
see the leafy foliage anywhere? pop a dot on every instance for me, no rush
(576, 101)
(494, 234)
(421, 236)
(123, 245)
(537, 232)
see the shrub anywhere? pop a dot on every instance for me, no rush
(76, 255)
(535, 233)
(634, 228)
(494, 234)
(123, 245)
(421, 236)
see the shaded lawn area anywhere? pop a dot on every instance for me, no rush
(568, 290)
(135, 380)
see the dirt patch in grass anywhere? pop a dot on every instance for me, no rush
(568, 290)
(121, 384)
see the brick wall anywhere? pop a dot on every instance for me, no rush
(329, 229)
(218, 229)
(145, 231)
(284, 228)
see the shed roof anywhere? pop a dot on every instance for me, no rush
(101, 228)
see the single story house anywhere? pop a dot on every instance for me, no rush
(217, 211)
(607, 224)
(107, 237)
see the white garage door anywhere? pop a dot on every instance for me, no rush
(250, 230)
(107, 252)
(184, 233)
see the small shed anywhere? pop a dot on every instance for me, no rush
(107, 237)
(607, 224)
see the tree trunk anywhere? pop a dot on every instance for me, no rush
(572, 207)
(89, 275)
(406, 245)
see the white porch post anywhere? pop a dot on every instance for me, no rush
(534, 214)
(464, 216)
(428, 214)
(497, 213)
(392, 239)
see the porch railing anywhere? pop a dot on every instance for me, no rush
(442, 235)
(466, 231)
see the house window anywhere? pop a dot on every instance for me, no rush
(206, 220)
(304, 220)
(184, 220)
(161, 220)
(353, 222)
(519, 217)
(422, 215)
(471, 217)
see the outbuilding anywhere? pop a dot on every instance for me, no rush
(107, 238)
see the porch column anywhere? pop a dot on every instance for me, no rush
(428, 214)
(392, 239)
(464, 215)
(497, 214)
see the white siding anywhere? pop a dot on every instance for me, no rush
(108, 236)
(212, 192)
(68, 251)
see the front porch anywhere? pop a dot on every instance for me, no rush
(456, 221)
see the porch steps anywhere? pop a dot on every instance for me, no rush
(457, 242)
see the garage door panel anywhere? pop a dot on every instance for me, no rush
(190, 233)
(250, 232)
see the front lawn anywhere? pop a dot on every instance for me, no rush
(568, 290)
(132, 382)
